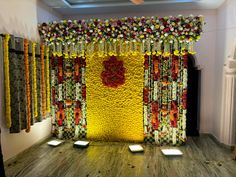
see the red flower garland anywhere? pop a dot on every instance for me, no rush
(175, 67)
(145, 95)
(156, 70)
(77, 112)
(146, 63)
(155, 112)
(60, 113)
(184, 99)
(60, 70)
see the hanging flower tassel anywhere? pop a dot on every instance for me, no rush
(42, 48)
(27, 83)
(7, 80)
(35, 80)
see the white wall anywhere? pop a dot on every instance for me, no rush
(20, 18)
(46, 14)
(226, 38)
(205, 56)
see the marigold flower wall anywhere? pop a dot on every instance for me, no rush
(115, 97)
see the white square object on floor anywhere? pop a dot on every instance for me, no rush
(136, 148)
(55, 142)
(171, 152)
(81, 143)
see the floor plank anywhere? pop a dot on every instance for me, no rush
(202, 158)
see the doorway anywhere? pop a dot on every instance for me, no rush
(193, 97)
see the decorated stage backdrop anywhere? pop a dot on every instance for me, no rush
(114, 79)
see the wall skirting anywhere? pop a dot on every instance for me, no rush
(217, 141)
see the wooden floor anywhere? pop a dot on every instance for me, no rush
(202, 158)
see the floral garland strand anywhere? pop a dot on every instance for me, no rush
(27, 83)
(35, 80)
(7, 80)
(43, 84)
(121, 47)
(48, 81)
(53, 93)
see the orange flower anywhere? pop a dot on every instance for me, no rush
(27, 83)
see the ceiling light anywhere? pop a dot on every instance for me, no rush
(137, 2)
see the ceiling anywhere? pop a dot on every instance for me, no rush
(76, 7)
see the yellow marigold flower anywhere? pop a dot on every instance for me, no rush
(176, 52)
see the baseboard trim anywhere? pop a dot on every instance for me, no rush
(14, 158)
(231, 147)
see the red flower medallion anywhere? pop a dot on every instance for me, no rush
(114, 73)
